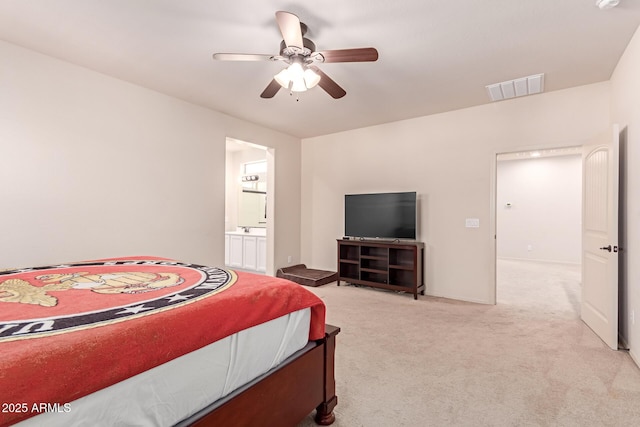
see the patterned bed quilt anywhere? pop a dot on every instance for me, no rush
(69, 330)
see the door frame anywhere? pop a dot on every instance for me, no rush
(493, 196)
(270, 156)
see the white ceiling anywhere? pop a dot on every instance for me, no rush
(435, 55)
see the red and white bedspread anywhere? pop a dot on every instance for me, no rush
(70, 330)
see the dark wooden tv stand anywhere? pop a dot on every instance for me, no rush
(396, 266)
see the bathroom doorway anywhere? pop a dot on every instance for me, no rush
(246, 212)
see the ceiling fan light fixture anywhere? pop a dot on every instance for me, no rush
(297, 78)
(298, 85)
(311, 78)
(296, 72)
(283, 78)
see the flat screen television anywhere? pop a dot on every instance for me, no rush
(380, 215)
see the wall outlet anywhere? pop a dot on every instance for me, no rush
(289, 259)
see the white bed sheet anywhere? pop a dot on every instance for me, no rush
(171, 392)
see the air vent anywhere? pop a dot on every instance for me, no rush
(518, 87)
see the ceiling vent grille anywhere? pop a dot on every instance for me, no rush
(517, 87)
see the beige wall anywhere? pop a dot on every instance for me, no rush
(449, 159)
(96, 167)
(625, 90)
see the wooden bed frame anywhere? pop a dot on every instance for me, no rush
(288, 394)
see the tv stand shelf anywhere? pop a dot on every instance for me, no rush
(396, 266)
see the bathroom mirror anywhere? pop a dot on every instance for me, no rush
(253, 208)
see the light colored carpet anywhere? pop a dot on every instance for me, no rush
(527, 361)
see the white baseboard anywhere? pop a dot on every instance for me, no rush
(547, 261)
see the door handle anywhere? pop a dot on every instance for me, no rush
(606, 248)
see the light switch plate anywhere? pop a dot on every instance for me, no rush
(472, 223)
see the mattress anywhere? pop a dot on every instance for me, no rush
(171, 392)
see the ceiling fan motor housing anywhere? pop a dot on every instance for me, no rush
(308, 48)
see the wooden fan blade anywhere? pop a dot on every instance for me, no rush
(271, 89)
(242, 57)
(290, 28)
(329, 86)
(365, 54)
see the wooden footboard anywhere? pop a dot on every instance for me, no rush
(287, 395)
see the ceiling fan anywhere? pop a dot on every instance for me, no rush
(300, 53)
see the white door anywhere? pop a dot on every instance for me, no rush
(599, 308)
